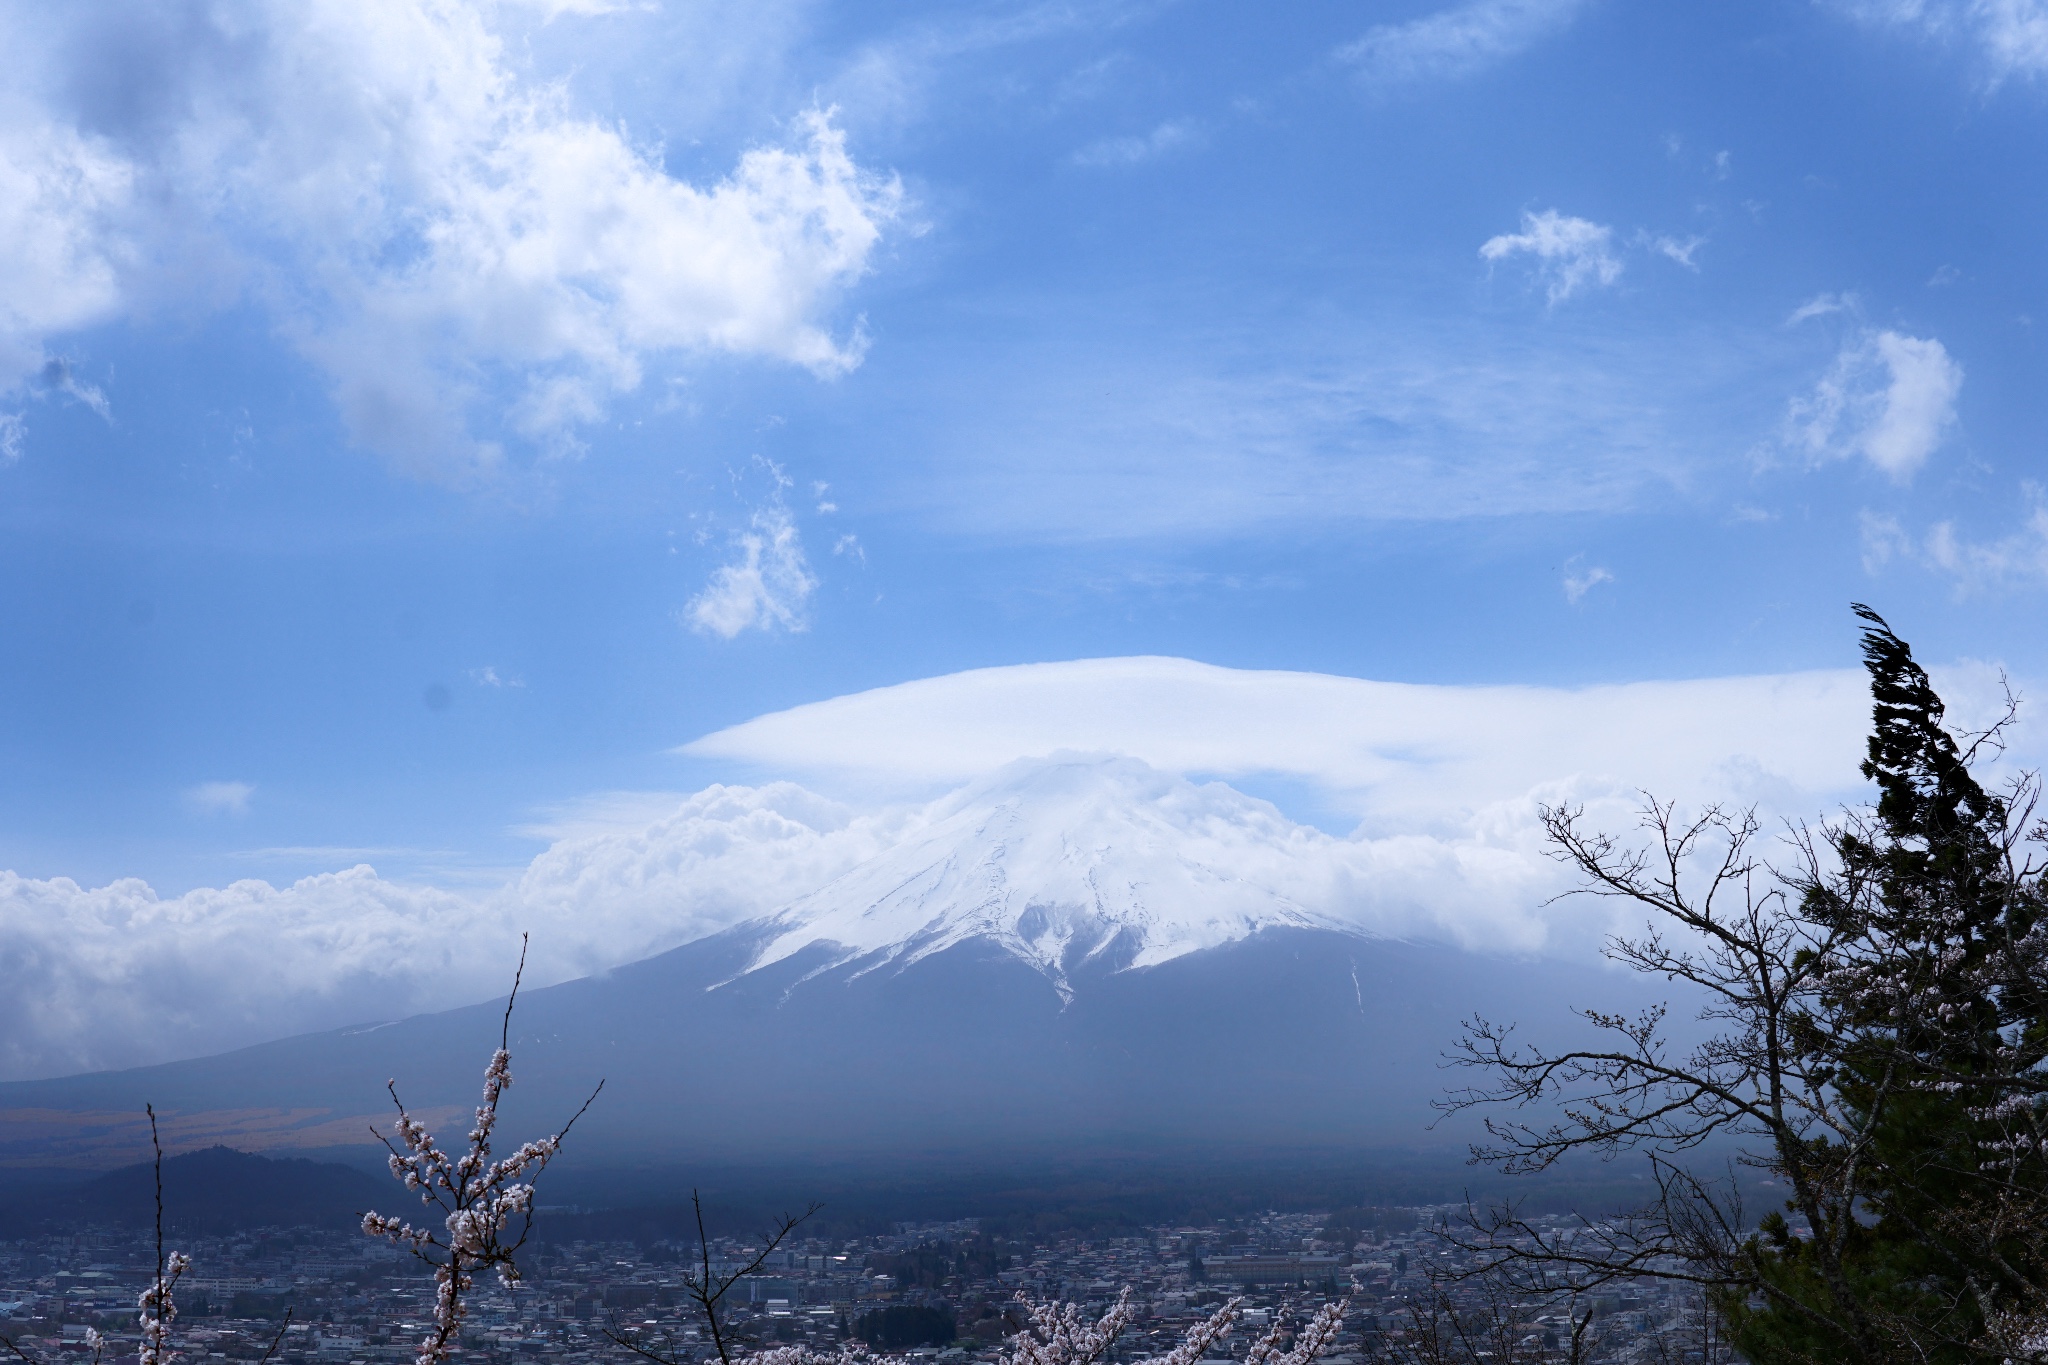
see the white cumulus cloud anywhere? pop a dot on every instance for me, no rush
(428, 223)
(1456, 42)
(65, 198)
(1570, 254)
(1888, 397)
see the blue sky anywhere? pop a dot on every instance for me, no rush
(421, 416)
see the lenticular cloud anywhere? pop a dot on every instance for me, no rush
(427, 223)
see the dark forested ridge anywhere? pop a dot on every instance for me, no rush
(215, 1191)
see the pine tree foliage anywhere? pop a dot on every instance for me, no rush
(1932, 1023)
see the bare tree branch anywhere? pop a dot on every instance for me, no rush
(707, 1288)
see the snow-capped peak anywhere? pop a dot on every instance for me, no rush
(1063, 860)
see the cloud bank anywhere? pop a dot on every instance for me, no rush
(425, 222)
(1444, 782)
(119, 976)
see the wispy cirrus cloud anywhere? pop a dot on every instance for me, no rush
(1568, 254)
(59, 376)
(1581, 578)
(1971, 563)
(1456, 42)
(1361, 420)
(2011, 36)
(1170, 136)
(1820, 306)
(767, 586)
(1678, 250)
(220, 798)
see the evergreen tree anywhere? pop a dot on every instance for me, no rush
(1884, 1028)
(1930, 1024)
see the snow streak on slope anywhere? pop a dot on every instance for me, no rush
(1065, 861)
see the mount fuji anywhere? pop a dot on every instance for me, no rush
(1074, 950)
(1067, 865)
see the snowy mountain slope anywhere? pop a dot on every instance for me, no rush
(1078, 949)
(1108, 853)
(1063, 861)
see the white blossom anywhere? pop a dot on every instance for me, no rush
(1201, 1335)
(156, 1310)
(1059, 1334)
(1056, 1335)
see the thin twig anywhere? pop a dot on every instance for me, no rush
(277, 1340)
(706, 1290)
(158, 1146)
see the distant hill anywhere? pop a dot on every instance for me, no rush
(218, 1190)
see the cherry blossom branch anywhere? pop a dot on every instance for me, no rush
(156, 1310)
(478, 1197)
(1053, 1334)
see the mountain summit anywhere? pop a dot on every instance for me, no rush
(1063, 863)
